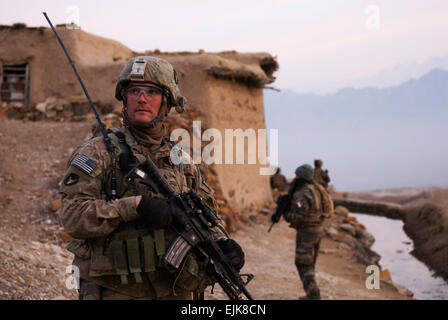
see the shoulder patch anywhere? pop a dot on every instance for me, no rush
(71, 179)
(84, 163)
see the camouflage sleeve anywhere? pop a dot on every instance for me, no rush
(83, 213)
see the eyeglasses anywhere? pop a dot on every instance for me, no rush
(148, 92)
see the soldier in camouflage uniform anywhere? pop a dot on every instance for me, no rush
(310, 205)
(320, 175)
(278, 181)
(121, 236)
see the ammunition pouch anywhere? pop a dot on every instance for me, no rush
(134, 252)
(124, 253)
(192, 274)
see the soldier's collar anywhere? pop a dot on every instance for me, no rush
(162, 151)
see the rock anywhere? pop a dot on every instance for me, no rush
(332, 232)
(349, 240)
(367, 256)
(41, 107)
(14, 113)
(400, 289)
(327, 251)
(345, 247)
(348, 228)
(265, 211)
(403, 290)
(262, 218)
(341, 211)
(351, 220)
(46, 106)
(80, 109)
(112, 121)
(385, 275)
(65, 237)
(245, 219)
(365, 237)
(17, 105)
(253, 218)
(55, 205)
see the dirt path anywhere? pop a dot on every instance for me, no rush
(270, 257)
(33, 261)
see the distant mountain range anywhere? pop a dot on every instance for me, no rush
(368, 138)
(385, 78)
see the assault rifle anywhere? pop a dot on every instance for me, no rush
(196, 220)
(283, 205)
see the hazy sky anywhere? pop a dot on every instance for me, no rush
(316, 42)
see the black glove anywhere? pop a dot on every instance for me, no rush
(157, 213)
(275, 218)
(234, 255)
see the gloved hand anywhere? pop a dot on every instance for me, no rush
(234, 255)
(275, 218)
(157, 213)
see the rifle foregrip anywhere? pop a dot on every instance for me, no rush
(210, 216)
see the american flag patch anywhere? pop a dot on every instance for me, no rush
(299, 204)
(84, 163)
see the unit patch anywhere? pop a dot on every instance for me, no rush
(72, 179)
(85, 164)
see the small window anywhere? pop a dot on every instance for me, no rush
(15, 83)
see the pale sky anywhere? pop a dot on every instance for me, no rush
(316, 42)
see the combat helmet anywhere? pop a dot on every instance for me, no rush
(154, 70)
(306, 172)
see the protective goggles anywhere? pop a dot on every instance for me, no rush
(149, 92)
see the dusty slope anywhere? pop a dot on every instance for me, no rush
(32, 259)
(32, 158)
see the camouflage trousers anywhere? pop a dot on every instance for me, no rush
(91, 291)
(307, 249)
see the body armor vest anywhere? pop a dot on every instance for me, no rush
(321, 205)
(133, 248)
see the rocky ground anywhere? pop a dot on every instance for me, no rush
(33, 259)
